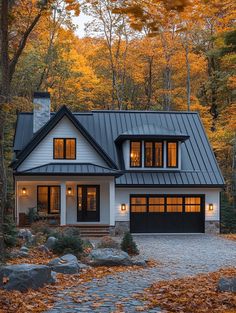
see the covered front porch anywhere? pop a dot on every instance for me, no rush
(66, 200)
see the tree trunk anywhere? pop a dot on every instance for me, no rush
(4, 98)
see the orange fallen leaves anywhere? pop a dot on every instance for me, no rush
(35, 257)
(229, 236)
(196, 294)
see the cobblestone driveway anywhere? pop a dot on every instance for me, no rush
(180, 255)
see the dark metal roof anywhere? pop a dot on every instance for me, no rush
(170, 179)
(83, 169)
(104, 127)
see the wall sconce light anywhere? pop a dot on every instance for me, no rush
(69, 191)
(123, 207)
(23, 191)
(210, 208)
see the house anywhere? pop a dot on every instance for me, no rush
(147, 172)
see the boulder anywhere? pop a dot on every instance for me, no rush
(23, 277)
(25, 234)
(227, 284)
(24, 249)
(109, 256)
(50, 243)
(44, 249)
(67, 264)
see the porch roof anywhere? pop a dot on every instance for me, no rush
(83, 169)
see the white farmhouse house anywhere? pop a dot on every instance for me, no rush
(143, 171)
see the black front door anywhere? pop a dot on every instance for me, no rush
(88, 203)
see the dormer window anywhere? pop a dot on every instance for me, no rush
(153, 154)
(172, 154)
(64, 148)
(135, 154)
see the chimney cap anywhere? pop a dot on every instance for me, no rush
(39, 94)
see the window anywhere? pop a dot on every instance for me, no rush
(156, 204)
(135, 154)
(153, 154)
(174, 204)
(172, 154)
(48, 199)
(139, 204)
(192, 204)
(64, 148)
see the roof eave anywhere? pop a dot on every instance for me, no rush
(121, 138)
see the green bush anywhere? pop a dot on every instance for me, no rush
(228, 216)
(71, 231)
(128, 244)
(41, 227)
(9, 232)
(33, 215)
(68, 244)
(108, 242)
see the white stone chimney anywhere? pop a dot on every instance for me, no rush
(42, 107)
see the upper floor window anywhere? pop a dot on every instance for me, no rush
(64, 148)
(135, 154)
(153, 154)
(172, 154)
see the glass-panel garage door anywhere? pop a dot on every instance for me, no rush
(167, 213)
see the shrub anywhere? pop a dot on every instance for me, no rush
(72, 231)
(108, 242)
(41, 227)
(32, 215)
(228, 216)
(9, 232)
(68, 244)
(128, 244)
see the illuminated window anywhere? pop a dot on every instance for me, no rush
(156, 204)
(192, 204)
(48, 200)
(135, 154)
(138, 204)
(172, 154)
(174, 204)
(64, 148)
(153, 154)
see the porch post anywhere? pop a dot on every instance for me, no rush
(63, 204)
(112, 201)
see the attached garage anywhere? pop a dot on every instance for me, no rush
(152, 213)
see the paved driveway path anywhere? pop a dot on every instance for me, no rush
(180, 255)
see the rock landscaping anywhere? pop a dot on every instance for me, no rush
(67, 264)
(227, 284)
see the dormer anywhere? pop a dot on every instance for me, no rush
(151, 147)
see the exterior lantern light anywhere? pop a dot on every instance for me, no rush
(23, 191)
(69, 191)
(210, 207)
(123, 207)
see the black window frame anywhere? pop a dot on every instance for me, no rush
(140, 150)
(153, 153)
(49, 187)
(165, 196)
(64, 148)
(177, 153)
(84, 200)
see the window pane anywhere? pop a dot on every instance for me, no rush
(174, 200)
(192, 200)
(158, 154)
(42, 204)
(138, 200)
(70, 149)
(156, 208)
(135, 154)
(156, 200)
(91, 199)
(54, 199)
(174, 208)
(192, 208)
(80, 198)
(58, 148)
(148, 154)
(138, 208)
(172, 154)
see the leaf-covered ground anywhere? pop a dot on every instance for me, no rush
(196, 294)
(229, 236)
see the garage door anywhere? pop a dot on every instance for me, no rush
(167, 213)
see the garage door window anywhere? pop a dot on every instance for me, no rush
(174, 204)
(139, 204)
(192, 204)
(156, 204)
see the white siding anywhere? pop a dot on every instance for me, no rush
(126, 154)
(30, 200)
(211, 196)
(43, 153)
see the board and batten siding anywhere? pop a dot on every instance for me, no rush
(43, 153)
(211, 196)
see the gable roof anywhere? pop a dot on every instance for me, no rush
(104, 127)
(41, 133)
